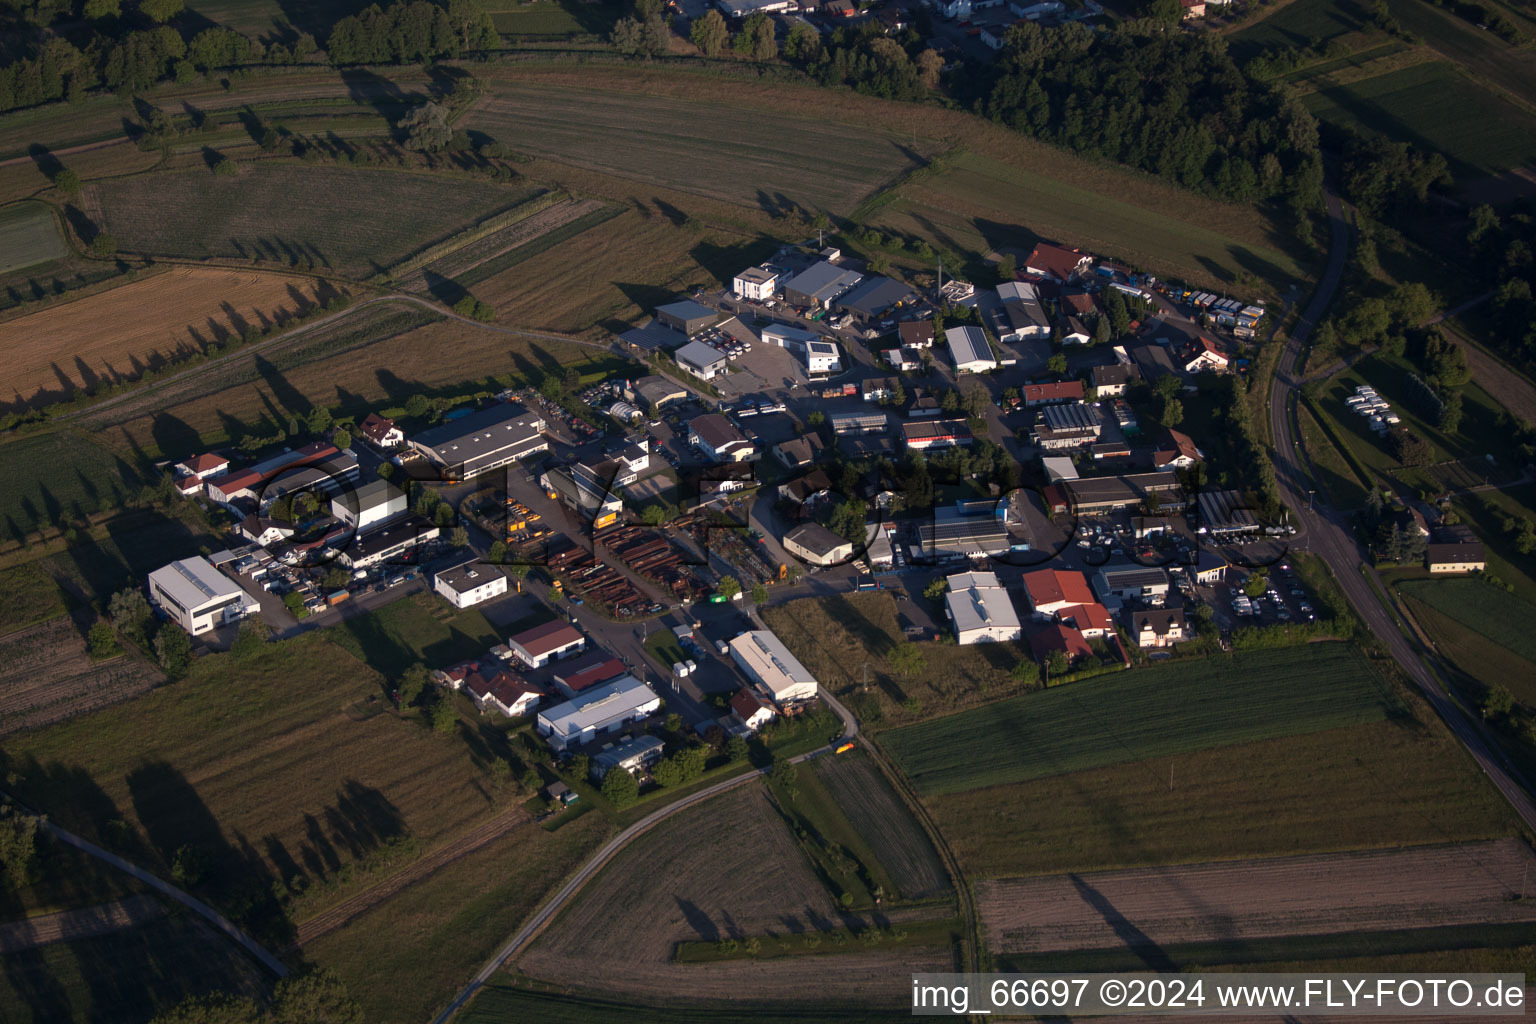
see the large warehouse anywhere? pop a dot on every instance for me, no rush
(814, 543)
(486, 439)
(687, 316)
(969, 350)
(953, 534)
(198, 597)
(768, 663)
(981, 609)
(599, 710)
(819, 285)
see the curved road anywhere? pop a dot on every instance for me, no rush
(547, 913)
(1326, 533)
(186, 899)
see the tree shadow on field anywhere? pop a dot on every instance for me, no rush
(82, 225)
(1216, 270)
(289, 397)
(46, 162)
(398, 389)
(698, 920)
(444, 289)
(646, 296)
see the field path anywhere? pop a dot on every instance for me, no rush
(330, 919)
(82, 923)
(1147, 908)
(84, 147)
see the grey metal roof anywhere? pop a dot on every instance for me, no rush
(698, 354)
(874, 295)
(823, 281)
(481, 433)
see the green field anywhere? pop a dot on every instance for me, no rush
(1512, 68)
(1502, 618)
(1436, 108)
(1360, 787)
(419, 628)
(694, 145)
(28, 236)
(27, 596)
(55, 477)
(553, 19)
(351, 222)
(1168, 709)
(1341, 485)
(893, 834)
(1300, 24)
(1479, 658)
(285, 771)
(977, 203)
(126, 977)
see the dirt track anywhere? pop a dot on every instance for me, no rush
(1421, 887)
(84, 923)
(726, 869)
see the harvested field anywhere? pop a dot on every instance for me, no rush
(1511, 390)
(629, 918)
(117, 334)
(1362, 787)
(1380, 890)
(28, 236)
(350, 222)
(27, 596)
(36, 494)
(875, 810)
(27, 178)
(1173, 708)
(696, 145)
(81, 923)
(46, 676)
(481, 251)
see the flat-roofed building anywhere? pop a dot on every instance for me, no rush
(391, 542)
(1092, 495)
(635, 755)
(756, 284)
(1067, 426)
(926, 434)
(980, 609)
(688, 316)
(819, 285)
(772, 669)
(470, 583)
(600, 710)
(969, 350)
(372, 504)
(854, 423)
(197, 597)
(1131, 582)
(700, 360)
(486, 439)
(952, 533)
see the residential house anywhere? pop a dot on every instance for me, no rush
(636, 755)
(750, 710)
(1156, 627)
(756, 284)
(503, 691)
(1053, 393)
(718, 438)
(809, 487)
(1073, 332)
(1079, 304)
(1175, 450)
(470, 583)
(381, 431)
(915, 333)
(1091, 620)
(1453, 558)
(1110, 381)
(195, 470)
(1057, 637)
(877, 389)
(799, 452)
(1056, 262)
(1205, 355)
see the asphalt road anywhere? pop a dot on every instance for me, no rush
(1326, 532)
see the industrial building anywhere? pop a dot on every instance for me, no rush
(1097, 494)
(819, 285)
(600, 710)
(1222, 514)
(936, 434)
(953, 533)
(1131, 582)
(373, 504)
(873, 298)
(584, 493)
(486, 439)
(855, 423)
(969, 350)
(634, 755)
(815, 544)
(654, 391)
(700, 360)
(317, 466)
(197, 597)
(550, 642)
(470, 583)
(1064, 427)
(388, 543)
(688, 316)
(770, 666)
(980, 609)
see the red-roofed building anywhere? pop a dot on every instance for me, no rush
(203, 466)
(1057, 637)
(1088, 619)
(1175, 450)
(752, 711)
(1205, 354)
(381, 431)
(541, 645)
(1055, 500)
(596, 668)
(1055, 262)
(503, 691)
(1051, 590)
(1079, 304)
(453, 677)
(1051, 394)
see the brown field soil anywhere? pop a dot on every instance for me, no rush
(20, 180)
(46, 676)
(364, 373)
(462, 261)
(1508, 388)
(1359, 787)
(1379, 890)
(732, 870)
(118, 333)
(874, 808)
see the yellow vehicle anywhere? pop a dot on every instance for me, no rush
(844, 748)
